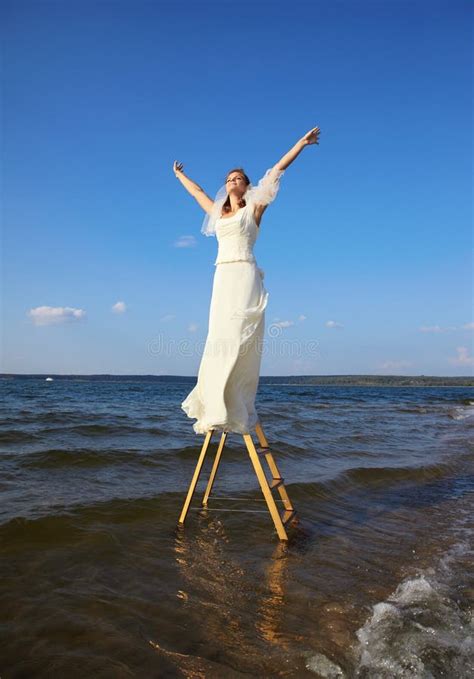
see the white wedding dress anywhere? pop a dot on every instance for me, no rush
(224, 395)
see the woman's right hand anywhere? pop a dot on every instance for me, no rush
(177, 167)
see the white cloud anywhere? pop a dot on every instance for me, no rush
(448, 328)
(192, 327)
(462, 357)
(286, 323)
(185, 242)
(167, 317)
(334, 324)
(55, 315)
(283, 324)
(119, 308)
(430, 328)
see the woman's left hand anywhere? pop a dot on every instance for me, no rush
(312, 137)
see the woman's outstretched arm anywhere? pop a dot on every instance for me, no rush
(194, 189)
(273, 175)
(311, 137)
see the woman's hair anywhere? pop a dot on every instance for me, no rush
(227, 206)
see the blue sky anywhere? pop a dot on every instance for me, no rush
(367, 250)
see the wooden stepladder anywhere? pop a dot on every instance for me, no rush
(276, 482)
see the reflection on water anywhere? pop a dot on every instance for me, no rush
(210, 574)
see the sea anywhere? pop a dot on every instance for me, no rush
(97, 579)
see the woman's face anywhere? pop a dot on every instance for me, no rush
(235, 183)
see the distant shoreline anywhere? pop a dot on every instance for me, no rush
(282, 380)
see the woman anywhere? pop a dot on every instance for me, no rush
(224, 396)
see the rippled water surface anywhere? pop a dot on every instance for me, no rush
(96, 579)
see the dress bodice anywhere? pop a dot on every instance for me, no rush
(236, 236)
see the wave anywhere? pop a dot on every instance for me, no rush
(419, 410)
(419, 485)
(68, 524)
(423, 629)
(380, 475)
(383, 476)
(86, 457)
(462, 412)
(18, 436)
(106, 429)
(423, 484)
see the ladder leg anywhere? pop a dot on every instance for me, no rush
(280, 528)
(214, 468)
(195, 478)
(260, 435)
(273, 467)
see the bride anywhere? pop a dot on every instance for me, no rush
(224, 395)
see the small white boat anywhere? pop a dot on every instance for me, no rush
(49, 379)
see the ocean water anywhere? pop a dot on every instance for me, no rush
(97, 580)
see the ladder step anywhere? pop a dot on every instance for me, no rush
(275, 483)
(227, 509)
(287, 515)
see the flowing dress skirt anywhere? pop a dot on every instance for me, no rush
(224, 396)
